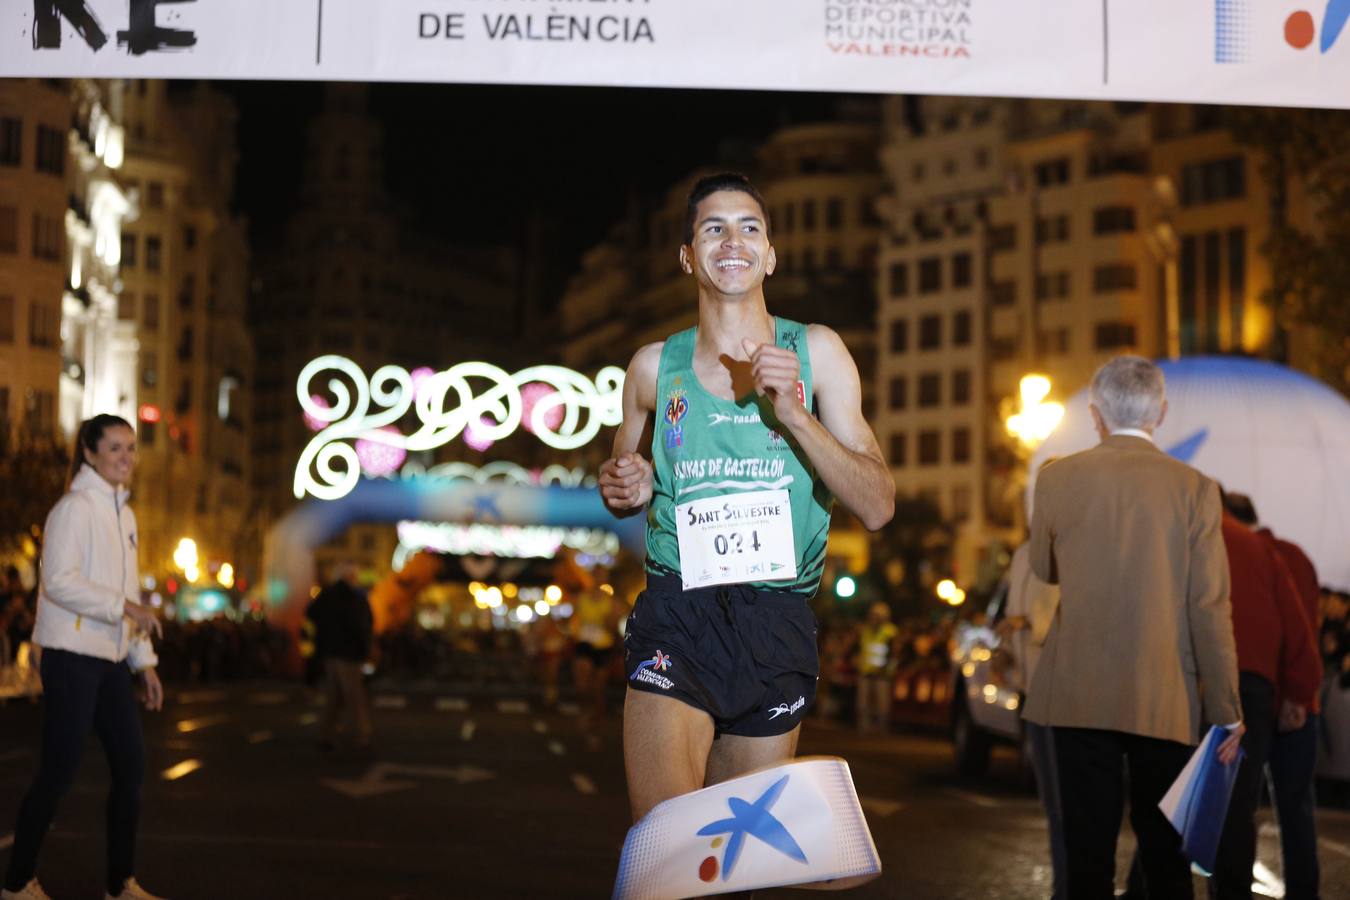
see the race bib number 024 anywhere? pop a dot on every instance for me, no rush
(736, 538)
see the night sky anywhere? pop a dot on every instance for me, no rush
(475, 163)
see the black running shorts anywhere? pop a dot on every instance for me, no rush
(746, 657)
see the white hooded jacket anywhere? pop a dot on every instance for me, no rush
(89, 573)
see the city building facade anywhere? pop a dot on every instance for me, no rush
(185, 265)
(1045, 237)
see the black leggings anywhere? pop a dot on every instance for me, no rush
(80, 694)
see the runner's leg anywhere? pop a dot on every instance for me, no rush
(665, 748)
(734, 755)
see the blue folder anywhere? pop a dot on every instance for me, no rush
(1197, 803)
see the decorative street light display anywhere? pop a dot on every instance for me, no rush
(562, 408)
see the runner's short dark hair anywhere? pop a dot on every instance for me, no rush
(711, 184)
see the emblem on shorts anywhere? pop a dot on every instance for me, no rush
(647, 671)
(783, 709)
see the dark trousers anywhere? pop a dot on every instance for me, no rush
(1237, 846)
(83, 694)
(1092, 786)
(1043, 763)
(1293, 758)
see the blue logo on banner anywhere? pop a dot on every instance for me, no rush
(756, 820)
(1186, 450)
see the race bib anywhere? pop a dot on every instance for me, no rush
(736, 538)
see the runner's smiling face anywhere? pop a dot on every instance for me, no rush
(731, 253)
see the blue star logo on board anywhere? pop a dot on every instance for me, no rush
(1186, 450)
(752, 819)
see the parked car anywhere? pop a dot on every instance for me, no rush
(987, 691)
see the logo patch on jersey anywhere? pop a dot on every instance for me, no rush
(790, 339)
(677, 407)
(801, 392)
(675, 438)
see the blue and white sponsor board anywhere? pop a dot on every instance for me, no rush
(1276, 52)
(794, 824)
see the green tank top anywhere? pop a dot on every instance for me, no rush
(704, 446)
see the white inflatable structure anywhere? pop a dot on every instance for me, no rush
(1260, 429)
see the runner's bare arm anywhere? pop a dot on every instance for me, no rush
(626, 477)
(840, 444)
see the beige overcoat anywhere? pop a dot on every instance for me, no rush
(1143, 639)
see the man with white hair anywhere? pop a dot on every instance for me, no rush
(1141, 650)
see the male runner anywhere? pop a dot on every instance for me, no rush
(758, 428)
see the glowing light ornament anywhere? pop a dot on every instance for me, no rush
(377, 458)
(476, 435)
(312, 421)
(446, 404)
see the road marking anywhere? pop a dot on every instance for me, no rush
(268, 698)
(467, 729)
(977, 799)
(308, 718)
(882, 808)
(452, 704)
(6, 841)
(187, 726)
(186, 767)
(390, 701)
(260, 737)
(376, 780)
(583, 784)
(540, 726)
(556, 748)
(202, 696)
(515, 707)
(569, 709)
(1335, 847)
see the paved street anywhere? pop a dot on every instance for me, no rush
(484, 796)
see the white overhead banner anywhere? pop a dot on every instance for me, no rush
(1281, 52)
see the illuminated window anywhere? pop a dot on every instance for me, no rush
(228, 385)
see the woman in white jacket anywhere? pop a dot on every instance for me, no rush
(95, 639)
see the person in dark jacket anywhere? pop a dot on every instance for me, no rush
(342, 637)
